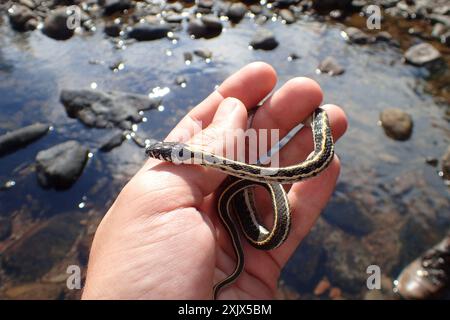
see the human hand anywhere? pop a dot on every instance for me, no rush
(162, 238)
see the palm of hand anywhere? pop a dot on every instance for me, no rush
(162, 238)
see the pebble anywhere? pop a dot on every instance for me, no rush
(396, 123)
(287, 16)
(149, 31)
(236, 12)
(264, 40)
(14, 140)
(357, 36)
(330, 66)
(421, 54)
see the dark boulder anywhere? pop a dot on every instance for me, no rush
(207, 27)
(22, 18)
(61, 165)
(112, 6)
(148, 32)
(112, 141)
(106, 109)
(264, 40)
(236, 12)
(56, 26)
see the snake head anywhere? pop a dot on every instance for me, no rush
(168, 151)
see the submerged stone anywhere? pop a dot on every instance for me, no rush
(14, 140)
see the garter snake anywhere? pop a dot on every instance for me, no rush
(237, 199)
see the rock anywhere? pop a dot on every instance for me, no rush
(5, 228)
(355, 35)
(206, 4)
(431, 161)
(236, 12)
(256, 9)
(383, 36)
(322, 287)
(14, 140)
(187, 56)
(39, 250)
(203, 53)
(22, 18)
(330, 66)
(112, 29)
(440, 18)
(346, 215)
(106, 109)
(293, 56)
(113, 6)
(346, 265)
(327, 5)
(305, 268)
(264, 40)
(396, 123)
(287, 16)
(438, 30)
(180, 80)
(207, 27)
(112, 141)
(61, 165)
(55, 25)
(174, 18)
(285, 3)
(446, 165)
(336, 14)
(421, 54)
(148, 31)
(445, 38)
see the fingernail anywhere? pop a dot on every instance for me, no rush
(225, 109)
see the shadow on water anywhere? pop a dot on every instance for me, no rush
(389, 204)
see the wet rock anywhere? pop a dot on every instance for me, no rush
(40, 249)
(112, 29)
(56, 26)
(346, 215)
(112, 141)
(440, 18)
(330, 66)
(383, 36)
(208, 26)
(206, 4)
(264, 40)
(19, 138)
(203, 53)
(149, 31)
(106, 109)
(337, 14)
(445, 38)
(327, 5)
(304, 268)
(438, 30)
(61, 165)
(5, 228)
(236, 12)
(446, 165)
(174, 18)
(346, 266)
(256, 9)
(422, 54)
(285, 3)
(287, 16)
(355, 35)
(396, 123)
(22, 18)
(113, 6)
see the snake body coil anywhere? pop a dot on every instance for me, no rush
(237, 198)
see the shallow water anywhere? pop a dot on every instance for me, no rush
(386, 180)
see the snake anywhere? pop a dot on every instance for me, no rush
(236, 201)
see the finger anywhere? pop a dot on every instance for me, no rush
(307, 200)
(190, 183)
(289, 105)
(251, 84)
